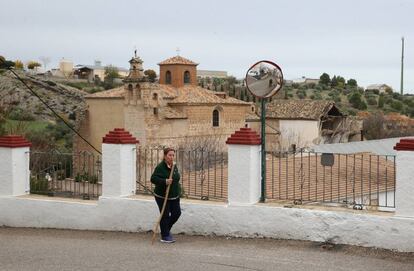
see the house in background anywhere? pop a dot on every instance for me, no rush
(304, 123)
(304, 80)
(90, 72)
(380, 87)
(211, 74)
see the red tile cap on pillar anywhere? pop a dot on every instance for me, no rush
(405, 145)
(245, 136)
(14, 141)
(119, 136)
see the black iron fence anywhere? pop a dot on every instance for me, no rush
(76, 175)
(203, 173)
(354, 179)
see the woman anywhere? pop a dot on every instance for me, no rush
(160, 178)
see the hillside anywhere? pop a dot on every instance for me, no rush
(65, 100)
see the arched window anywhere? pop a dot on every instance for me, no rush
(216, 118)
(130, 91)
(187, 77)
(168, 77)
(138, 91)
(155, 96)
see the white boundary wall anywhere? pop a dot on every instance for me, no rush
(242, 218)
(136, 215)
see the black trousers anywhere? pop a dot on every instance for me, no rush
(171, 214)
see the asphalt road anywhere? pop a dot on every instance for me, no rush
(48, 249)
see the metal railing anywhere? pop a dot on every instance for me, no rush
(203, 173)
(360, 180)
(75, 175)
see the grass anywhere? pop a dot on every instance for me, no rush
(18, 126)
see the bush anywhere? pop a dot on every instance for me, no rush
(19, 114)
(310, 85)
(397, 105)
(337, 99)
(39, 186)
(85, 177)
(381, 101)
(301, 94)
(372, 101)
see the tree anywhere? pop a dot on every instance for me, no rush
(325, 79)
(397, 105)
(18, 65)
(356, 101)
(31, 65)
(5, 64)
(381, 101)
(352, 83)
(231, 80)
(341, 81)
(3, 114)
(151, 74)
(334, 81)
(216, 83)
(111, 73)
(373, 126)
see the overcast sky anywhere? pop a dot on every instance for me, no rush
(353, 38)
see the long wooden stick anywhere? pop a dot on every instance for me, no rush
(163, 207)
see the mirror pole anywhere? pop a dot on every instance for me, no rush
(263, 128)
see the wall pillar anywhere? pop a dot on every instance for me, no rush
(119, 164)
(244, 168)
(14, 165)
(404, 194)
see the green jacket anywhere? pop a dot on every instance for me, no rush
(160, 174)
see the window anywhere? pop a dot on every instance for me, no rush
(216, 118)
(138, 91)
(130, 91)
(186, 77)
(168, 77)
(155, 110)
(155, 96)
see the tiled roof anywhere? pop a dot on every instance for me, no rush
(298, 109)
(177, 60)
(199, 95)
(184, 95)
(118, 92)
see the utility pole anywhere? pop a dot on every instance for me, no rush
(402, 66)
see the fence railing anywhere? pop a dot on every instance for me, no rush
(76, 175)
(355, 179)
(203, 173)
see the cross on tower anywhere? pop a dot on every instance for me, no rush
(135, 51)
(178, 51)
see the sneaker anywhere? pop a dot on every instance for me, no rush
(172, 238)
(167, 239)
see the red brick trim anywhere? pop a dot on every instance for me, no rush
(405, 145)
(14, 141)
(245, 136)
(119, 136)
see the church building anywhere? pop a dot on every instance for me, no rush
(174, 112)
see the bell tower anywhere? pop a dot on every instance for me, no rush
(178, 71)
(132, 81)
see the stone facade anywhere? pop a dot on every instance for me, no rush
(172, 114)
